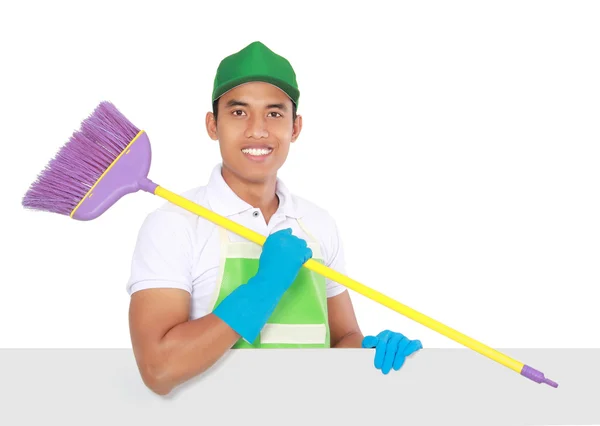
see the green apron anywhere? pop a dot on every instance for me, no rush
(300, 318)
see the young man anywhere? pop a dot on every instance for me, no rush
(198, 290)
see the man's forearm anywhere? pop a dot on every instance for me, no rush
(350, 340)
(187, 350)
(192, 347)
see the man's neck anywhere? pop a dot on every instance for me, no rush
(259, 195)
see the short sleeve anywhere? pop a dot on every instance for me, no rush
(163, 253)
(336, 261)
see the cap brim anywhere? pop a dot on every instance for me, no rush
(290, 91)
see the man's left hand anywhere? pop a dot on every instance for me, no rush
(391, 349)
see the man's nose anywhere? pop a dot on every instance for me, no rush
(257, 127)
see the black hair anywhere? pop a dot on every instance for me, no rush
(215, 107)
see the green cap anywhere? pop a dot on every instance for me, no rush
(256, 62)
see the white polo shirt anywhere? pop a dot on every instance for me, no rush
(179, 249)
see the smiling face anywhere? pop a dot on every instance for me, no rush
(254, 128)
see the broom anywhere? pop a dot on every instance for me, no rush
(109, 157)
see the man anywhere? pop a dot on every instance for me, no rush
(198, 290)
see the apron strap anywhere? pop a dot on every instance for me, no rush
(303, 227)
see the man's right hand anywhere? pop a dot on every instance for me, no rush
(248, 307)
(282, 256)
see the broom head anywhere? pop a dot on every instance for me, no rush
(107, 158)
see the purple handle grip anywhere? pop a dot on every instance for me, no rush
(537, 376)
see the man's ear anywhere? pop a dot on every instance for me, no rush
(297, 128)
(211, 126)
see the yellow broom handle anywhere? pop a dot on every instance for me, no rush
(346, 281)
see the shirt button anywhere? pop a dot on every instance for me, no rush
(255, 214)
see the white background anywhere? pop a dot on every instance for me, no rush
(456, 143)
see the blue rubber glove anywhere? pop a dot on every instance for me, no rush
(391, 349)
(250, 305)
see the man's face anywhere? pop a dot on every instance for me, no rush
(255, 128)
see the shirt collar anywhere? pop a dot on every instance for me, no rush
(225, 202)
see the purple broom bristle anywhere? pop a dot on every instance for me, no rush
(81, 161)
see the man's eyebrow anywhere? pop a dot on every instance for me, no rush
(234, 102)
(279, 106)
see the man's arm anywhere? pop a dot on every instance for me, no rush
(343, 326)
(168, 348)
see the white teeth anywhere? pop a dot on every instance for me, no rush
(257, 151)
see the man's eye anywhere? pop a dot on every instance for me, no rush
(275, 113)
(236, 112)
